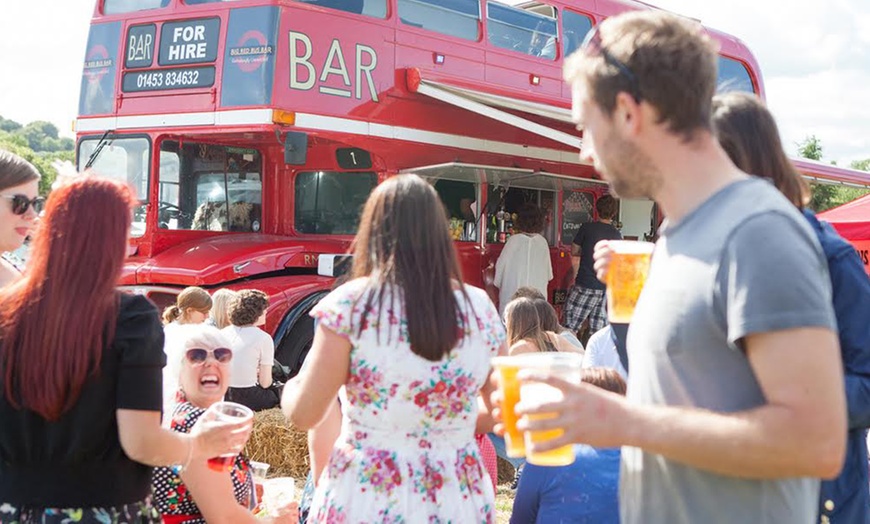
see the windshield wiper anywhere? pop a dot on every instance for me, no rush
(97, 150)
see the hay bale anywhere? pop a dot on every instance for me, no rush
(277, 443)
(506, 471)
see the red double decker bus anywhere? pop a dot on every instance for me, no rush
(254, 130)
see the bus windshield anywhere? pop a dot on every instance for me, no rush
(209, 187)
(124, 159)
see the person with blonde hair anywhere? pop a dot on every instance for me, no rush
(199, 493)
(219, 316)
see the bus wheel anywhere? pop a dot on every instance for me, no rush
(294, 348)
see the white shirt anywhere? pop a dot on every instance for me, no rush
(252, 347)
(524, 261)
(601, 352)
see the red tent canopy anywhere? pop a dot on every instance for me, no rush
(851, 220)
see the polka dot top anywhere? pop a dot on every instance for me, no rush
(170, 495)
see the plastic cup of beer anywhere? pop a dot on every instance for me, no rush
(507, 369)
(227, 412)
(278, 492)
(626, 275)
(563, 365)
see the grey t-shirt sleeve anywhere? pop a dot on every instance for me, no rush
(772, 276)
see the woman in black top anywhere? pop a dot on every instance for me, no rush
(80, 374)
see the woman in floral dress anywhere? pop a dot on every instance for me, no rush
(409, 347)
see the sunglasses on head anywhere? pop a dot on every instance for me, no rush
(592, 46)
(20, 203)
(198, 356)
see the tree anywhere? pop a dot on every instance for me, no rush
(9, 125)
(826, 196)
(861, 165)
(810, 148)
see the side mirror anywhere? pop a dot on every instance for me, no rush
(295, 148)
(333, 265)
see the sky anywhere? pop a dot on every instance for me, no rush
(814, 56)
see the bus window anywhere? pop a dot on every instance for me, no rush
(373, 8)
(195, 2)
(575, 27)
(733, 76)
(330, 202)
(124, 159)
(520, 30)
(209, 187)
(114, 7)
(459, 18)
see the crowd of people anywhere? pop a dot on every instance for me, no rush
(740, 391)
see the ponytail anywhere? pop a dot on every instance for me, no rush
(171, 314)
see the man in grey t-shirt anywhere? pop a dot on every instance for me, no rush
(735, 400)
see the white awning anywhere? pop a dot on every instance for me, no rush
(485, 104)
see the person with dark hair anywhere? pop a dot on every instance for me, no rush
(525, 258)
(586, 298)
(736, 404)
(457, 197)
(20, 204)
(585, 492)
(80, 374)
(749, 134)
(253, 352)
(412, 346)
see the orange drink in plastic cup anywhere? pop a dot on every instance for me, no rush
(507, 369)
(566, 366)
(626, 275)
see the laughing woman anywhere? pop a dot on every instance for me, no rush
(198, 493)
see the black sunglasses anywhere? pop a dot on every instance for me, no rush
(592, 46)
(20, 203)
(198, 356)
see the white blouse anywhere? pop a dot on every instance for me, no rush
(524, 261)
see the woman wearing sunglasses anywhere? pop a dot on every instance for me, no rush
(20, 204)
(200, 494)
(80, 375)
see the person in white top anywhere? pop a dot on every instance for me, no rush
(601, 352)
(525, 259)
(253, 352)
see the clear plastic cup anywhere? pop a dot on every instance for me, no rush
(626, 275)
(563, 365)
(277, 494)
(226, 412)
(507, 369)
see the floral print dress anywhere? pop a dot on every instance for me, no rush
(407, 452)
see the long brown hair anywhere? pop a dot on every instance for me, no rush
(404, 243)
(524, 323)
(748, 133)
(56, 321)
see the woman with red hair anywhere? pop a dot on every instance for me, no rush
(80, 374)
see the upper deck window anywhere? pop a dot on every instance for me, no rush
(125, 159)
(733, 76)
(575, 27)
(373, 8)
(114, 7)
(209, 187)
(521, 30)
(330, 202)
(459, 18)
